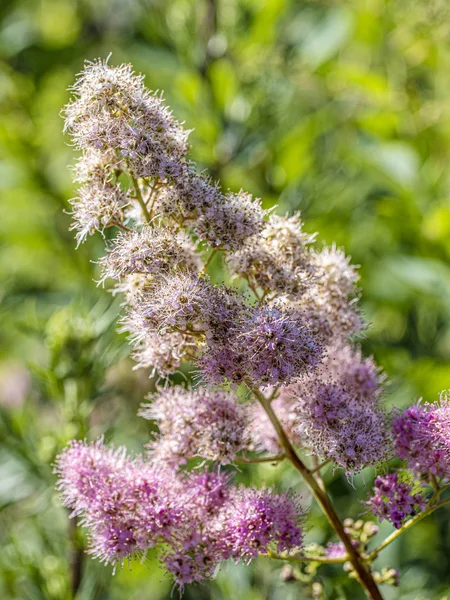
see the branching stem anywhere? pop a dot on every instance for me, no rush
(398, 532)
(140, 199)
(320, 466)
(208, 262)
(120, 226)
(263, 459)
(357, 561)
(304, 558)
(152, 196)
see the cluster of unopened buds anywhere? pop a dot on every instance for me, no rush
(278, 375)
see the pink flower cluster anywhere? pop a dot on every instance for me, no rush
(394, 499)
(334, 411)
(285, 334)
(130, 505)
(201, 422)
(422, 439)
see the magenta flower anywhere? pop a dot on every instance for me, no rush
(422, 438)
(256, 519)
(394, 500)
(127, 505)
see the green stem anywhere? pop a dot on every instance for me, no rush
(140, 199)
(77, 558)
(391, 538)
(301, 558)
(152, 196)
(264, 459)
(255, 292)
(317, 467)
(357, 561)
(208, 262)
(120, 226)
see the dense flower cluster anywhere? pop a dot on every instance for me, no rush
(394, 499)
(201, 422)
(113, 110)
(334, 411)
(331, 300)
(277, 260)
(259, 518)
(286, 334)
(114, 115)
(421, 435)
(268, 346)
(335, 424)
(149, 251)
(129, 505)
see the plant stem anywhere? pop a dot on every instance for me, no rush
(264, 459)
(140, 199)
(208, 262)
(120, 226)
(301, 558)
(319, 466)
(357, 561)
(437, 493)
(152, 196)
(391, 538)
(255, 292)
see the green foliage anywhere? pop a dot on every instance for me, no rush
(338, 109)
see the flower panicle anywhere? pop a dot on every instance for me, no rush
(129, 505)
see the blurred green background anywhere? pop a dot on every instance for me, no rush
(339, 109)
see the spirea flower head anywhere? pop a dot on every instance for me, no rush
(149, 251)
(331, 299)
(112, 109)
(199, 543)
(196, 422)
(335, 425)
(207, 492)
(188, 195)
(394, 500)
(344, 364)
(268, 346)
(127, 505)
(222, 220)
(257, 519)
(277, 259)
(230, 222)
(163, 352)
(335, 272)
(185, 302)
(99, 205)
(225, 310)
(421, 435)
(222, 522)
(222, 363)
(278, 345)
(178, 300)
